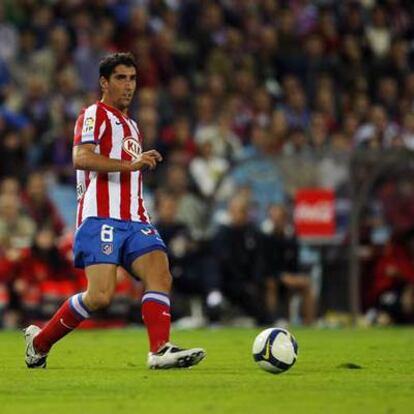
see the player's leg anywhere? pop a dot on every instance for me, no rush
(101, 286)
(97, 248)
(153, 269)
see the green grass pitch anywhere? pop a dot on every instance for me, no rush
(104, 372)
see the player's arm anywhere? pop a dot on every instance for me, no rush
(85, 158)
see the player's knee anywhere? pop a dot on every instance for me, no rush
(99, 300)
(160, 281)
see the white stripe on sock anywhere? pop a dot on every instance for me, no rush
(78, 307)
(156, 296)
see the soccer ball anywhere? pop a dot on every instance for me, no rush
(275, 350)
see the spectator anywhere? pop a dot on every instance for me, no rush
(216, 86)
(267, 55)
(279, 128)
(262, 107)
(36, 105)
(260, 173)
(206, 169)
(297, 112)
(176, 236)
(58, 152)
(408, 130)
(378, 34)
(9, 37)
(38, 204)
(43, 278)
(388, 95)
(10, 186)
(14, 157)
(164, 54)
(353, 66)
(238, 251)
(211, 30)
(177, 142)
(297, 143)
(87, 57)
(226, 143)
(318, 133)
(147, 66)
(191, 210)
(393, 290)
(397, 201)
(289, 40)
(205, 112)
(282, 268)
(67, 100)
(176, 100)
(22, 64)
(378, 132)
(148, 120)
(53, 55)
(16, 229)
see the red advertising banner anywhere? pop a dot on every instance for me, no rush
(314, 213)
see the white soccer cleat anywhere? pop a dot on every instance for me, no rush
(32, 358)
(171, 356)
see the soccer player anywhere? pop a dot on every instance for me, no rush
(113, 227)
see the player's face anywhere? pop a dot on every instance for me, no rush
(119, 90)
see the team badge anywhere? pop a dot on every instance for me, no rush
(88, 125)
(132, 147)
(107, 248)
(148, 232)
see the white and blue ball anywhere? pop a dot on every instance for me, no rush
(275, 350)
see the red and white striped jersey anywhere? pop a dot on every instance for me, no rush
(109, 195)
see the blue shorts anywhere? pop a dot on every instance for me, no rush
(105, 240)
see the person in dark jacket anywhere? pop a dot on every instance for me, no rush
(281, 265)
(238, 250)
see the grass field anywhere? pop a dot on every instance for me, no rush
(104, 372)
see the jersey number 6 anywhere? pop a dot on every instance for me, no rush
(107, 233)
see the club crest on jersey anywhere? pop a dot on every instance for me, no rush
(132, 147)
(107, 248)
(148, 232)
(88, 125)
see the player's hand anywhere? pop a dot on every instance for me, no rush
(148, 159)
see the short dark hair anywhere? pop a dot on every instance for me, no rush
(108, 63)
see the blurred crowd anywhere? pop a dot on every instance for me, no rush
(246, 100)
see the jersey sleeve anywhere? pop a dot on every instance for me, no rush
(90, 126)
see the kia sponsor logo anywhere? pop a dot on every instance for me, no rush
(132, 147)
